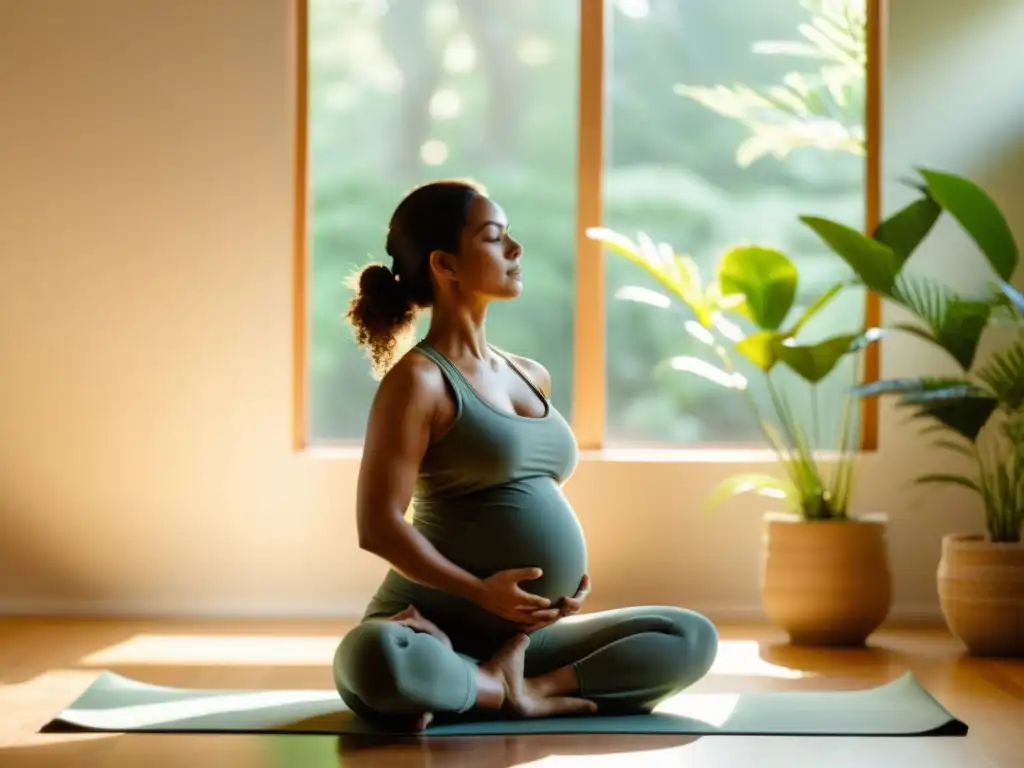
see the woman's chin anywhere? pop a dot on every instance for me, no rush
(512, 289)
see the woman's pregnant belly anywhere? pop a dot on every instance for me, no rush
(525, 524)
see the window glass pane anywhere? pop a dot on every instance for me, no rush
(406, 92)
(687, 165)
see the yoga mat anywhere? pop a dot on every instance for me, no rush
(898, 708)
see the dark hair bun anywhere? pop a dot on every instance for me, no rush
(380, 312)
(429, 218)
(378, 280)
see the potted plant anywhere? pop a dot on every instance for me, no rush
(977, 413)
(825, 577)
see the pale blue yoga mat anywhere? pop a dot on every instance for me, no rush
(899, 708)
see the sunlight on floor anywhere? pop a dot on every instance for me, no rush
(711, 708)
(735, 657)
(742, 658)
(28, 738)
(218, 650)
(26, 707)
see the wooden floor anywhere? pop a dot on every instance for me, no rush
(45, 664)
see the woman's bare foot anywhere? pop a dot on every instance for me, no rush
(540, 696)
(421, 722)
(414, 620)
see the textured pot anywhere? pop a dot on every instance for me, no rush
(826, 582)
(981, 591)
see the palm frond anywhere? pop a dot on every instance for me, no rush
(926, 298)
(1001, 484)
(1003, 373)
(952, 445)
(957, 404)
(965, 416)
(953, 323)
(947, 386)
(949, 479)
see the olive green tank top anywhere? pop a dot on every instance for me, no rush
(489, 497)
(487, 447)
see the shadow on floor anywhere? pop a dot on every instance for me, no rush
(496, 752)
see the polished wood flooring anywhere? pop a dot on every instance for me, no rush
(45, 663)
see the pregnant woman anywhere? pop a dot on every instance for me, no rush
(473, 613)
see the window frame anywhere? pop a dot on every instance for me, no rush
(589, 411)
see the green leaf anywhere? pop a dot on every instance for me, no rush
(759, 348)
(961, 329)
(874, 263)
(917, 184)
(706, 370)
(643, 296)
(957, 404)
(1015, 297)
(760, 484)
(951, 445)
(765, 276)
(671, 279)
(1003, 373)
(788, 48)
(948, 479)
(966, 415)
(913, 385)
(905, 229)
(814, 362)
(979, 215)
(955, 324)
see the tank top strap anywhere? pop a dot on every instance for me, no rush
(521, 374)
(454, 377)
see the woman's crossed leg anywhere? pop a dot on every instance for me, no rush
(623, 660)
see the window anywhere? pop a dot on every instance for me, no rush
(395, 94)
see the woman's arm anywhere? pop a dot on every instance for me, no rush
(397, 436)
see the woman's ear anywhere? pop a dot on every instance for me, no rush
(442, 264)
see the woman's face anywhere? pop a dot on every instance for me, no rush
(488, 262)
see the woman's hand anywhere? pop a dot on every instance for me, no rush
(567, 606)
(501, 595)
(413, 619)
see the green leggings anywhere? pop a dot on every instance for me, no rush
(627, 660)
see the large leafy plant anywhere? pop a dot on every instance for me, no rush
(756, 287)
(822, 107)
(979, 411)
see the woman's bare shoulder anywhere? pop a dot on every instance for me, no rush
(414, 380)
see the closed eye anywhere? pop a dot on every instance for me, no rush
(492, 226)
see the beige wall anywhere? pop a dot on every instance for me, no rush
(145, 404)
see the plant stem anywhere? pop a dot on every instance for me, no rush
(730, 368)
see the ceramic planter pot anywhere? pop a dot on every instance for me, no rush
(981, 591)
(826, 582)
